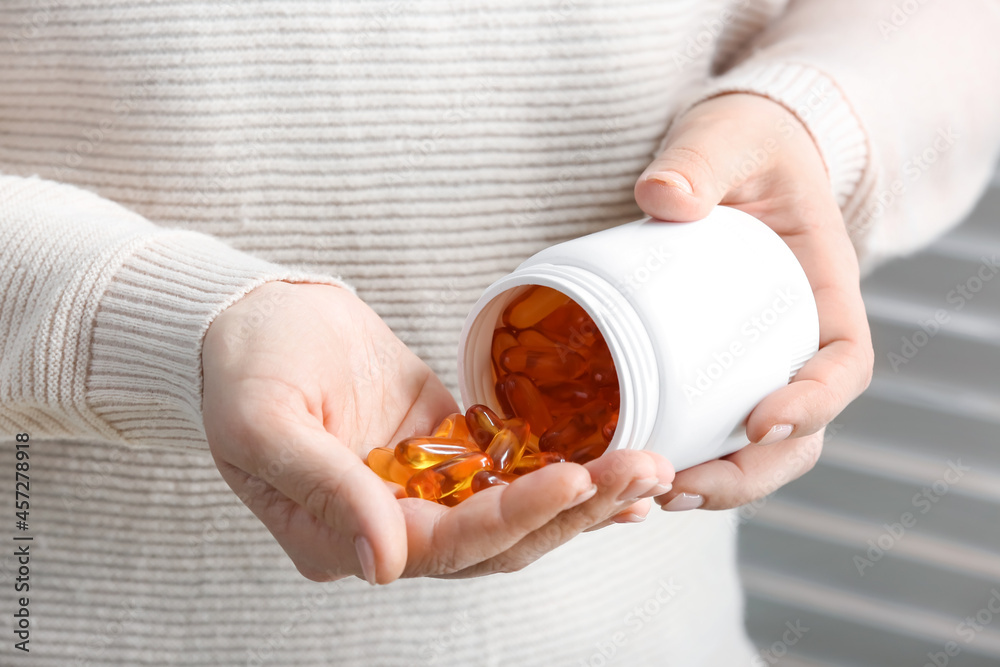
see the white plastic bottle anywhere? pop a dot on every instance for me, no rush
(703, 320)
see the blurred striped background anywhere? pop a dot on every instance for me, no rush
(888, 553)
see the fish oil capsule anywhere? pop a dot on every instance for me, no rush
(608, 430)
(423, 452)
(382, 461)
(536, 303)
(568, 395)
(482, 424)
(452, 427)
(598, 411)
(569, 324)
(485, 479)
(603, 373)
(446, 478)
(567, 433)
(501, 393)
(458, 496)
(534, 338)
(526, 401)
(533, 462)
(587, 450)
(508, 444)
(543, 364)
(503, 338)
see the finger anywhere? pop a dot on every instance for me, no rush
(842, 368)
(752, 472)
(318, 552)
(634, 513)
(710, 151)
(288, 448)
(443, 540)
(621, 477)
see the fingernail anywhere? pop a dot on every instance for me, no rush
(684, 502)
(638, 487)
(670, 179)
(366, 557)
(583, 497)
(777, 433)
(628, 517)
(660, 489)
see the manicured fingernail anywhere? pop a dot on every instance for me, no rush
(628, 517)
(366, 557)
(670, 179)
(684, 502)
(637, 488)
(583, 497)
(777, 433)
(660, 489)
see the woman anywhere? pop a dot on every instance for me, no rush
(184, 180)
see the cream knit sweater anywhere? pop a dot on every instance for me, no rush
(160, 159)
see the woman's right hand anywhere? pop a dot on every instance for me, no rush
(301, 381)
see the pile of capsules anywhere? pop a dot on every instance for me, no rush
(556, 383)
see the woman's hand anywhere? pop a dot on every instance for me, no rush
(301, 381)
(748, 152)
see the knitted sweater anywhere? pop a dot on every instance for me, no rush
(158, 160)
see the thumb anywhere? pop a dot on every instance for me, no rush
(324, 506)
(714, 148)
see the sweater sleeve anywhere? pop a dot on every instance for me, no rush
(103, 314)
(901, 99)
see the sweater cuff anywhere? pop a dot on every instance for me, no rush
(820, 106)
(145, 376)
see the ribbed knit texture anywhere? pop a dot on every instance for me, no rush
(420, 150)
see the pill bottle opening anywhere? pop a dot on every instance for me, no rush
(612, 316)
(551, 366)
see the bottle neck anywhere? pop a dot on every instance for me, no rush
(623, 330)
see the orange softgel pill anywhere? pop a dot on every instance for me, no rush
(557, 388)
(424, 452)
(482, 424)
(448, 477)
(508, 445)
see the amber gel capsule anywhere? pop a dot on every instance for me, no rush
(532, 306)
(566, 433)
(533, 462)
(423, 452)
(503, 338)
(569, 324)
(501, 392)
(460, 495)
(485, 479)
(446, 478)
(526, 401)
(533, 338)
(483, 424)
(508, 444)
(382, 461)
(543, 364)
(452, 427)
(588, 450)
(608, 431)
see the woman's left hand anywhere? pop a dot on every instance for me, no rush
(750, 153)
